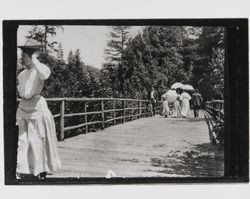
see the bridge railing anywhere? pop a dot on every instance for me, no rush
(216, 109)
(214, 115)
(100, 112)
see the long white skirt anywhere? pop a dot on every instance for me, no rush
(176, 109)
(185, 108)
(37, 142)
(165, 108)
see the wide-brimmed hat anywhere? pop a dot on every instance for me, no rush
(31, 44)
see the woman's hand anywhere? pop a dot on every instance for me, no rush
(34, 58)
(35, 55)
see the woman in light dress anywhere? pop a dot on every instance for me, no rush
(165, 106)
(185, 106)
(37, 143)
(177, 106)
(171, 96)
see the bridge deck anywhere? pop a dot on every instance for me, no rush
(161, 147)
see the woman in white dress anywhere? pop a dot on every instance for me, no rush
(185, 107)
(165, 106)
(177, 106)
(170, 97)
(37, 143)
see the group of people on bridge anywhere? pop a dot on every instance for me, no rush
(177, 102)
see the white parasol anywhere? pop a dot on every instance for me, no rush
(176, 85)
(187, 87)
(170, 96)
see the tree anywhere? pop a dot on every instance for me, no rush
(154, 59)
(60, 54)
(70, 57)
(41, 33)
(209, 63)
(119, 36)
(77, 58)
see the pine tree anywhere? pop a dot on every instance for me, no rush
(119, 36)
(70, 58)
(60, 55)
(77, 58)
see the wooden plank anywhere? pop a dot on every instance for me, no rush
(124, 107)
(114, 112)
(56, 115)
(82, 114)
(61, 137)
(89, 99)
(86, 116)
(81, 125)
(103, 116)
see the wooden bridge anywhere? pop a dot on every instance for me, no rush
(137, 145)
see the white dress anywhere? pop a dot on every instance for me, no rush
(176, 109)
(37, 142)
(185, 107)
(169, 97)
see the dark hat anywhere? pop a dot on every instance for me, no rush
(31, 44)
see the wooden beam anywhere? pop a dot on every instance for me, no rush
(61, 137)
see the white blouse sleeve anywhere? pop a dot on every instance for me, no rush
(43, 71)
(181, 97)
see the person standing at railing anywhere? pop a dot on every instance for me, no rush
(153, 97)
(37, 143)
(197, 102)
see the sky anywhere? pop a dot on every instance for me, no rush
(91, 40)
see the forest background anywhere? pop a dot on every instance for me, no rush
(157, 56)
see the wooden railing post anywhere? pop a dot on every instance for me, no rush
(61, 138)
(124, 106)
(103, 119)
(114, 111)
(86, 117)
(130, 112)
(140, 109)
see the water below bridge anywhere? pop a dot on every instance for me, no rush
(147, 147)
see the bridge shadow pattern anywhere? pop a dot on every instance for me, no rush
(204, 160)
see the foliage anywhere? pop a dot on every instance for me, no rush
(152, 58)
(41, 33)
(208, 69)
(218, 130)
(119, 37)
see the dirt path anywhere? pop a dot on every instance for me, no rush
(143, 148)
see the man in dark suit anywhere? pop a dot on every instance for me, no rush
(153, 97)
(197, 101)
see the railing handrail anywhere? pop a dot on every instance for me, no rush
(91, 99)
(214, 115)
(128, 111)
(217, 112)
(215, 104)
